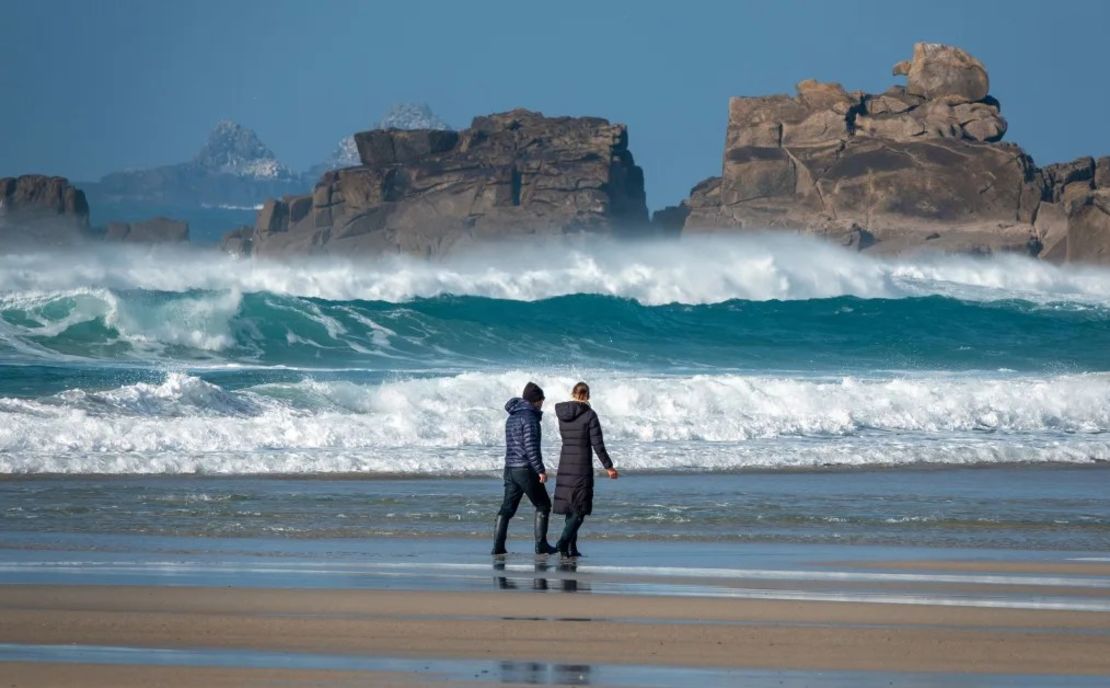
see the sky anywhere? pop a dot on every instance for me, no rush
(94, 86)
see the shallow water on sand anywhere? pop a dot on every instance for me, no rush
(1019, 507)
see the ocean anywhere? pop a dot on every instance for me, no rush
(752, 388)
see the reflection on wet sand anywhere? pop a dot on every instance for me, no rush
(543, 674)
(547, 576)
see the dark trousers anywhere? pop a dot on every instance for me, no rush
(520, 482)
(570, 528)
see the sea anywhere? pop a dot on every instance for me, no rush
(752, 388)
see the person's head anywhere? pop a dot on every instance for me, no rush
(581, 392)
(533, 394)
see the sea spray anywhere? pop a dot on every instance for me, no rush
(695, 270)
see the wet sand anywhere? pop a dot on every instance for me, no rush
(535, 626)
(27, 674)
(1077, 568)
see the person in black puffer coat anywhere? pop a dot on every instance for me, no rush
(524, 473)
(574, 484)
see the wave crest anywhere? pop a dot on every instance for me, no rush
(455, 424)
(695, 270)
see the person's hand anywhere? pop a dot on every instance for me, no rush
(613, 475)
(543, 478)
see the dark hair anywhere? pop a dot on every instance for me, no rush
(581, 391)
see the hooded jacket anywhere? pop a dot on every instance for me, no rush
(581, 432)
(522, 436)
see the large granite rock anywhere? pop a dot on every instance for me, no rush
(917, 165)
(430, 192)
(38, 209)
(153, 231)
(942, 71)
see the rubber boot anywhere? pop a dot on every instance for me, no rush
(568, 536)
(573, 547)
(542, 545)
(500, 532)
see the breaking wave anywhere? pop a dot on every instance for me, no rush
(698, 270)
(720, 353)
(454, 424)
(452, 334)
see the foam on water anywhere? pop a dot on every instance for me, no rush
(712, 353)
(455, 423)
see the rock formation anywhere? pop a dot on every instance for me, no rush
(152, 231)
(428, 192)
(38, 209)
(44, 212)
(919, 164)
(237, 241)
(400, 116)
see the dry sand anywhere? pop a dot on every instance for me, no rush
(569, 628)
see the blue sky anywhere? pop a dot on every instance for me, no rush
(93, 86)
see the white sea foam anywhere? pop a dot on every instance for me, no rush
(453, 424)
(694, 270)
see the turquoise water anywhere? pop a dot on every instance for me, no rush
(455, 333)
(710, 356)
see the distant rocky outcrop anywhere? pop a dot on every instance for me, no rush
(153, 231)
(37, 212)
(233, 168)
(430, 191)
(38, 209)
(401, 116)
(917, 165)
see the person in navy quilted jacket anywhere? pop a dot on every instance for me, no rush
(524, 473)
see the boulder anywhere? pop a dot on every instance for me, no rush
(380, 147)
(1051, 229)
(156, 230)
(1077, 174)
(1088, 238)
(944, 71)
(237, 242)
(429, 192)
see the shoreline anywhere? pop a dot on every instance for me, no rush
(495, 474)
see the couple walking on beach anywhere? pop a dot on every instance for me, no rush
(525, 473)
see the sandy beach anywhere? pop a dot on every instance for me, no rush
(84, 601)
(517, 625)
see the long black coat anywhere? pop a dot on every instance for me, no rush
(581, 432)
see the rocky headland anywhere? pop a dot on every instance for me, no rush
(921, 164)
(430, 191)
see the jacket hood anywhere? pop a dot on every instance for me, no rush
(517, 405)
(569, 410)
